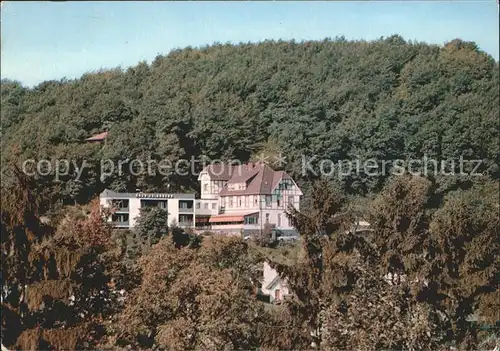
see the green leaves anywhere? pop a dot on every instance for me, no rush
(336, 99)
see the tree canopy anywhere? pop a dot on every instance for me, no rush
(336, 99)
(425, 276)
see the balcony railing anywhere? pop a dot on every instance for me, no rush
(120, 224)
(185, 224)
(186, 209)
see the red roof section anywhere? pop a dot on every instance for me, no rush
(233, 217)
(98, 137)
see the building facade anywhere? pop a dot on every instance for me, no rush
(234, 200)
(126, 207)
(243, 198)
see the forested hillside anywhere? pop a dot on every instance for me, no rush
(337, 99)
(424, 276)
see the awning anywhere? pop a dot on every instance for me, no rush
(230, 218)
(220, 219)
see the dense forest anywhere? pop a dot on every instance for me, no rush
(73, 283)
(69, 281)
(334, 99)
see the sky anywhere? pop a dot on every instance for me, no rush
(52, 40)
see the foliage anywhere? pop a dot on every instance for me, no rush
(151, 225)
(54, 278)
(414, 283)
(193, 298)
(429, 265)
(467, 268)
(386, 99)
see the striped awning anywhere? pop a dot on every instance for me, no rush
(237, 217)
(222, 219)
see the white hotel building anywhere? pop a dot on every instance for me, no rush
(234, 200)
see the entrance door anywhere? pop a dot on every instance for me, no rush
(277, 295)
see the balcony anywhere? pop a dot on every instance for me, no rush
(186, 206)
(118, 224)
(119, 220)
(120, 205)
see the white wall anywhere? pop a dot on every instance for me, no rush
(209, 188)
(248, 205)
(134, 211)
(207, 211)
(135, 207)
(173, 211)
(268, 276)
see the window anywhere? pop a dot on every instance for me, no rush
(250, 220)
(120, 204)
(185, 219)
(214, 206)
(121, 218)
(230, 202)
(197, 205)
(205, 205)
(268, 200)
(154, 203)
(279, 219)
(256, 200)
(241, 201)
(284, 185)
(290, 200)
(205, 188)
(277, 294)
(279, 202)
(267, 217)
(185, 204)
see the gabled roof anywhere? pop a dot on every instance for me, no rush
(259, 178)
(275, 281)
(98, 137)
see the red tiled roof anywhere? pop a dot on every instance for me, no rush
(98, 137)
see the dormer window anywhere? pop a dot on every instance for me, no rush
(237, 186)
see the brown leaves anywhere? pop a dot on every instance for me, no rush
(55, 289)
(205, 289)
(84, 227)
(43, 266)
(59, 339)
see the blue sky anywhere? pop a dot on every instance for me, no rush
(52, 40)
